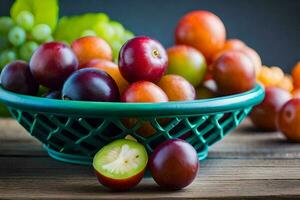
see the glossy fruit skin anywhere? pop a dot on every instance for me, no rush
(143, 59)
(91, 47)
(230, 44)
(202, 30)
(296, 75)
(109, 67)
(254, 56)
(143, 92)
(234, 73)
(174, 164)
(288, 120)
(187, 62)
(90, 85)
(52, 63)
(53, 95)
(16, 77)
(177, 88)
(120, 184)
(263, 116)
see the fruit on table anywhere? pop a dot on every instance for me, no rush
(111, 68)
(121, 164)
(177, 88)
(142, 59)
(52, 63)
(16, 77)
(90, 84)
(91, 47)
(143, 92)
(174, 164)
(296, 75)
(187, 62)
(288, 120)
(53, 95)
(263, 115)
(234, 73)
(202, 30)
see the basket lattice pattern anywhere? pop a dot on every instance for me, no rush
(85, 136)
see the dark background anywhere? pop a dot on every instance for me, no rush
(272, 27)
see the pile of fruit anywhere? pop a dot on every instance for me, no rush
(33, 22)
(280, 110)
(202, 64)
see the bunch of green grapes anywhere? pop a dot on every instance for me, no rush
(93, 24)
(20, 37)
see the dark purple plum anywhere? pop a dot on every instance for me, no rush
(53, 95)
(90, 84)
(16, 77)
(174, 164)
(52, 63)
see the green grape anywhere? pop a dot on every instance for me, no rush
(127, 36)
(118, 29)
(27, 50)
(105, 31)
(17, 36)
(4, 44)
(49, 39)
(6, 23)
(25, 19)
(116, 46)
(6, 57)
(41, 32)
(88, 33)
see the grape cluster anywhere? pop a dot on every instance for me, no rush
(19, 37)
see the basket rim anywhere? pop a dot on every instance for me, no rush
(118, 109)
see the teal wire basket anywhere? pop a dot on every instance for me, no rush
(73, 131)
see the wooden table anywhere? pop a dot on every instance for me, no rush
(246, 165)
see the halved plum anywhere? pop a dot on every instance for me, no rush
(121, 164)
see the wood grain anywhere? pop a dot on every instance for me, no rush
(246, 165)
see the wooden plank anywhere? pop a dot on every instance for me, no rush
(218, 178)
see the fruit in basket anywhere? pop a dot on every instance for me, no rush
(143, 92)
(230, 44)
(203, 92)
(53, 95)
(111, 68)
(91, 47)
(16, 77)
(121, 164)
(202, 30)
(234, 73)
(254, 56)
(17, 36)
(174, 164)
(187, 62)
(288, 120)
(296, 75)
(177, 88)
(25, 19)
(263, 115)
(90, 84)
(52, 63)
(142, 59)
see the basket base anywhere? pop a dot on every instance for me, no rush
(69, 158)
(83, 160)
